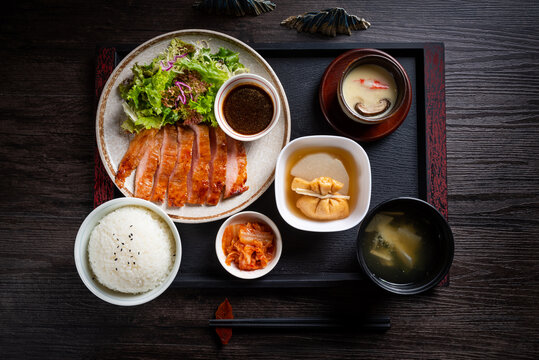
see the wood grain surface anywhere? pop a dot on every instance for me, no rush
(46, 159)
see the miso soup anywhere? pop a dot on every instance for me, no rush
(400, 248)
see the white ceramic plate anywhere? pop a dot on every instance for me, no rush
(262, 154)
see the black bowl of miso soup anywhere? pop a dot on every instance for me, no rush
(405, 246)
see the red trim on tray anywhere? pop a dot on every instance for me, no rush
(436, 152)
(103, 186)
(435, 121)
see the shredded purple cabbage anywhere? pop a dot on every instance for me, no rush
(171, 62)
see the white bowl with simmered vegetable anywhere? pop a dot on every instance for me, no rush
(323, 183)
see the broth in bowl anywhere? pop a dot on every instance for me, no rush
(318, 185)
(398, 247)
(405, 246)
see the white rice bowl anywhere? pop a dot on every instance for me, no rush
(131, 250)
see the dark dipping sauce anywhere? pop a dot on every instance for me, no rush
(248, 109)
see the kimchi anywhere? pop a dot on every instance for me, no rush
(251, 246)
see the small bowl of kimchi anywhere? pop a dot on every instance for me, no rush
(248, 245)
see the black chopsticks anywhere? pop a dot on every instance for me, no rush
(380, 323)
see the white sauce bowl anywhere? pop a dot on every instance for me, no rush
(231, 84)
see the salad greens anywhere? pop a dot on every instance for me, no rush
(178, 85)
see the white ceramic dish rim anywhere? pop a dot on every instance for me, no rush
(240, 218)
(107, 89)
(227, 87)
(81, 257)
(359, 156)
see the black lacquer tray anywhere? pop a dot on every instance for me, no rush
(409, 162)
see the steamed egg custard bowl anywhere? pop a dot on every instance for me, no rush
(323, 183)
(374, 88)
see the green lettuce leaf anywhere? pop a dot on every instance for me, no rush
(204, 105)
(230, 58)
(143, 94)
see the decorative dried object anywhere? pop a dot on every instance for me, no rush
(328, 22)
(224, 311)
(235, 7)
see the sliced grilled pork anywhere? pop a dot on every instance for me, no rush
(133, 155)
(167, 161)
(177, 185)
(144, 176)
(198, 181)
(217, 175)
(236, 168)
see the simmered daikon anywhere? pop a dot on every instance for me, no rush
(306, 173)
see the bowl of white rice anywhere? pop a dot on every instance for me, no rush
(127, 251)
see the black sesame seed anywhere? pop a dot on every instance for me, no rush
(116, 269)
(121, 249)
(129, 250)
(139, 252)
(133, 263)
(128, 263)
(117, 246)
(130, 225)
(116, 259)
(123, 244)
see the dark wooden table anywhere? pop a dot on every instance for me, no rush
(47, 108)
